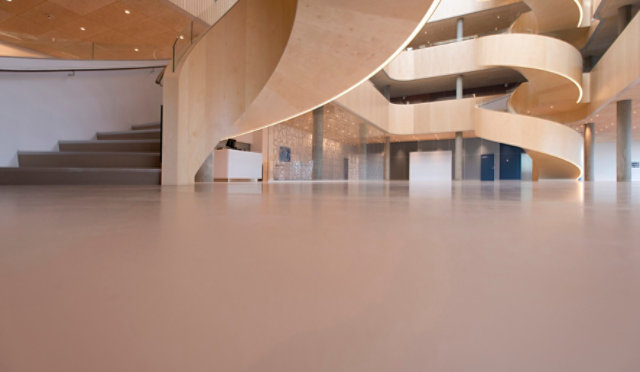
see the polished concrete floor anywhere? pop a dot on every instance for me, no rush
(321, 277)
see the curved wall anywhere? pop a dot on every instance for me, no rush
(331, 47)
(217, 81)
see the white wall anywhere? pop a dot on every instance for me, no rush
(431, 166)
(605, 161)
(38, 109)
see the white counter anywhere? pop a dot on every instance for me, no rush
(233, 164)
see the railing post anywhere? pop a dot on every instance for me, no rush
(173, 58)
(161, 131)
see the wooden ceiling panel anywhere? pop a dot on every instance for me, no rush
(81, 28)
(4, 15)
(167, 15)
(50, 14)
(24, 27)
(83, 7)
(74, 29)
(147, 29)
(16, 7)
(116, 38)
(114, 14)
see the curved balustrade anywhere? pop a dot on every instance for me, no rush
(556, 90)
(553, 69)
(551, 15)
(555, 148)
(547, 63)
(270, 60)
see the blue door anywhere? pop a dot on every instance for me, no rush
(510, 162)
(487, 167)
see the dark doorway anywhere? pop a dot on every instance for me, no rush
(346, 168)
(510, 162)
(487, 167)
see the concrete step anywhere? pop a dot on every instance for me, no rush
(146, 126)
(79, 176)
(111, 146)
(89, 159)
(130, 134)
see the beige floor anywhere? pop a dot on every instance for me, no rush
(321, 277)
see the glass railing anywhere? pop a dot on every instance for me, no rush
(48, 47)
(207, 14)
(158, 46)
(455, 40)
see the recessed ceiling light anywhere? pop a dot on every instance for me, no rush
(127, 11)
(82, 28)
(181, 37)
(9, 1)
(136, 50)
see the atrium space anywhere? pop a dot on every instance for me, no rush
(319, 185)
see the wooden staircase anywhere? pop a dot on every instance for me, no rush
(115, 158)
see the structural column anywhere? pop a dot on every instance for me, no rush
(387, 158)
(624, 124)
(589, 140)
(459, 147)
(363, 151)
(457, 166)
(460, 29)
(317, 142)
(623, 142)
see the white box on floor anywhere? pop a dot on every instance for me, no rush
(237, 165)
(430, 166)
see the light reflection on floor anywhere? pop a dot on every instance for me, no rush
(321, 277)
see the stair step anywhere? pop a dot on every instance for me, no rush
(79, 176)
(146, 126)
(111, 146)
(89, 159)
(130, 134)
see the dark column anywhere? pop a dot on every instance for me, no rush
(623, 142)
(589, 140)
(459, 143)
(387, 158)
(317, 142)
(363, 151)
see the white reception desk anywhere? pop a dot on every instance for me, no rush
(237, 165)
